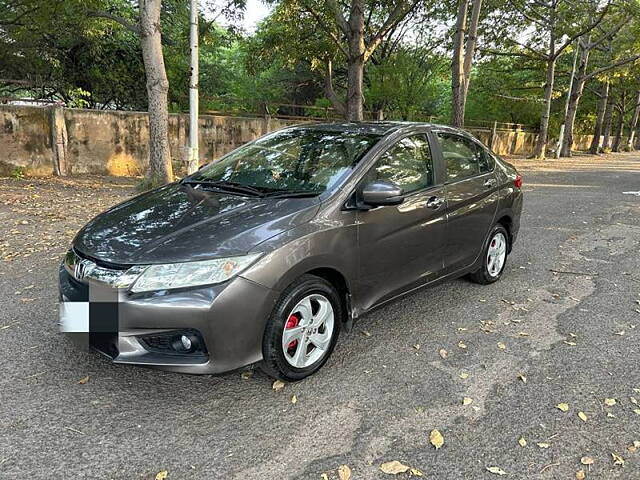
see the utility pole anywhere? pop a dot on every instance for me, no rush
(193, 90)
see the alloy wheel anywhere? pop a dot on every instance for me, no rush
(496, 254)
(308, 331)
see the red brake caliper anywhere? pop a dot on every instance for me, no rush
(292, 322)
(493, 244)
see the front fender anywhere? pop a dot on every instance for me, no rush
(304, 248)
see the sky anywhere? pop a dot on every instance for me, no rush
(256, 11)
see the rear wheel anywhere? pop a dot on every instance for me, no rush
(494, 257)
(302, 330)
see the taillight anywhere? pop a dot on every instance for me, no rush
(517, 182)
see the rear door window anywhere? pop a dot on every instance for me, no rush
(463, 157)
(487, 162)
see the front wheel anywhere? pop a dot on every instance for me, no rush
(302, 330)
(494, 257)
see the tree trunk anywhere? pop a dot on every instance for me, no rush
(541, 142)
(457, 67)
(634, 124)
(355, 71)
(619, 130)
(337, 104)
(574, 100)
(608, 120)
(470, 50)
(160, 169)
(597, 130)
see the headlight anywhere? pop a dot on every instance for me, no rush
(191, 274)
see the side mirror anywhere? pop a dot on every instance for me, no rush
(380, 193)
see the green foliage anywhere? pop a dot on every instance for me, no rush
(63, 50)
(506, 89)
(411, 83)
(18, 173)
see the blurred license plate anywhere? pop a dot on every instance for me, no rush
(74, 317)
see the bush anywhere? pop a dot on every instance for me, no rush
(18, 173)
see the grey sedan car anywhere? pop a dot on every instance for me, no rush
(265, 255)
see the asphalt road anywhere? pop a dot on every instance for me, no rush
(572, 336)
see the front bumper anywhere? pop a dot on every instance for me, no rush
(230, 319)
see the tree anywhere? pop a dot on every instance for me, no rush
(356, 29)
(407, 82)
(464, 46)
(613, 56)
(603, 103)
(608, 119)
(557, 24)
(634, 123)
(160, 168)
(149, 31)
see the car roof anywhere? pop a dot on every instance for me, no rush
(373, 128)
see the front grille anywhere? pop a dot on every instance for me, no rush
(82, 268)
(100, 263)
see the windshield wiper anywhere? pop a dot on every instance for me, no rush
(228, 186)
(292, 194)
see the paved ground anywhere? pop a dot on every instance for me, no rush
(572, 336)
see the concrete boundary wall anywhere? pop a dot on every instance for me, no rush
(54, 140)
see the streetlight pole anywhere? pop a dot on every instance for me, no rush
(193, 90)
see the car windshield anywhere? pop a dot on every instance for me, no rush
(292, 161)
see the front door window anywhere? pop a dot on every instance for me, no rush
(408, 164)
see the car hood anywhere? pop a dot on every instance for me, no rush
(179, 223)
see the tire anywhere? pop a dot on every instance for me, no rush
(293, 317)
(491, 272)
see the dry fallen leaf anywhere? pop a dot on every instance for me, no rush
(522, 442)
(278, 385)
(636, 410)
(467, 401)
(83, 380)
(563, 406)
(324, 476)
(365, 333)
(580, 475)
(344, 472)
(415, 472)
(461, 344)
(436, 439)
(543, 445)
(617, 459)
(443, 353)
(246, 375)
(610, 402)
(571, 344)
(587, 461)
(582, 416)
(394, 467)
(417, 346)
(162, 475)
(501, 346)
(523, 378)
(464, 375)
(294, 399)
(496, 470)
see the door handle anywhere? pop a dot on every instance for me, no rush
(490, 183)
(435, 202)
